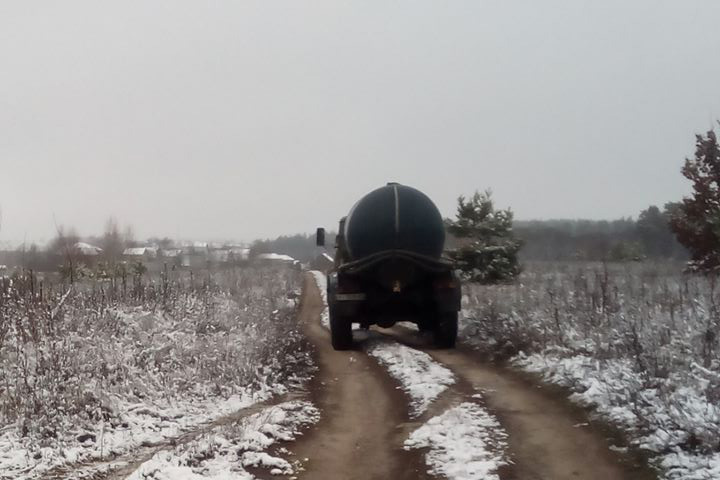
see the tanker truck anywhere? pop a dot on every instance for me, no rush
(389, 268)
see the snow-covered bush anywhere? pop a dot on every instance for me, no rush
(637, 343)
(71, 358)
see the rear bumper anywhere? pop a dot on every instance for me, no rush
(378, 303)
(368, 305)
(350, 297)
(348, 308)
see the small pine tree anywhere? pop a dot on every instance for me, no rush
(488, 249)
(696, 219)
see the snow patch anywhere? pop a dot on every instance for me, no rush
(465, 443)
(225, 451)
(420, 376)
(321, 282)
(167, 465)
(659, 417)
(144, 424)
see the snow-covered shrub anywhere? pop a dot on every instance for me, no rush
(71, 357)
(637, 343)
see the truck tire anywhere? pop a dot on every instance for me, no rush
(340, 332)
(446, 329)
(426, 324)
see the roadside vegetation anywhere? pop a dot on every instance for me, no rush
(636, 342)
(93, 368)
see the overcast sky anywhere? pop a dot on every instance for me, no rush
(238, 119)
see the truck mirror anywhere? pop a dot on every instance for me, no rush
(320, 237)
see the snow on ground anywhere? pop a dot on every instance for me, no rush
(321, 282)
(129, 377)
(419, 375)
(227, 451)
(142, 424)
(658, 417)
(636, 343)
(410, 326)
(136, 421)
(464, 443)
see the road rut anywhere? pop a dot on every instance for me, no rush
(365, 418)
(549, 439)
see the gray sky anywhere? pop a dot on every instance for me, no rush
(238, 119)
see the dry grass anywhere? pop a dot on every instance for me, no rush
(637, 342)
(66, 352)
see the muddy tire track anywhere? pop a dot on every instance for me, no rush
(364, 416)
(121, 466)
(549, 439)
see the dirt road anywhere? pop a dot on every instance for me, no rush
(365, 417)
(361, 432)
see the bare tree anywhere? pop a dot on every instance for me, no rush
(129, 236)
(112, 241)
(64, 245)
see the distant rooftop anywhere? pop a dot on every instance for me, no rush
(275, 257)
(87, 249)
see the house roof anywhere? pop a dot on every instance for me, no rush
(135, 251)
(240, 253)
(275, 257)
(87, 249)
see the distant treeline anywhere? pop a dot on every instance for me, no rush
(616, 240)
(626, 239)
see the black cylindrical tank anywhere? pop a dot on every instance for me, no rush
(394, 217)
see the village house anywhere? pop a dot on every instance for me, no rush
(140, 253)
(86, 250)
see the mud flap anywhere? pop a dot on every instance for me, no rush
(446, 329)
(340, 330)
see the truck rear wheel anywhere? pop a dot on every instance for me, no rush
(446, 329)
(340, 332)
(426, 324)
